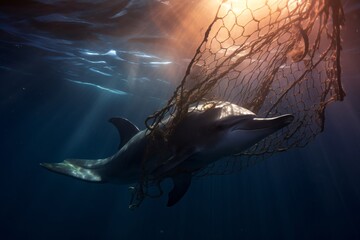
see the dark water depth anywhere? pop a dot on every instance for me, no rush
(66, 68)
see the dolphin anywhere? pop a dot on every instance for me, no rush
(209, 132)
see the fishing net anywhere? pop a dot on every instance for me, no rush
(271, 57)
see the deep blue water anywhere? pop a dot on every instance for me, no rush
(66, 69)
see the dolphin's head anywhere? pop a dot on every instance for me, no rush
(238, 132)
(224, 130)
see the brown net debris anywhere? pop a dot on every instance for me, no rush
(271, 57)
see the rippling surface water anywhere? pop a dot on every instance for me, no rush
(66, 67)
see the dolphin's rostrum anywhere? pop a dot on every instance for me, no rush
(209, 132)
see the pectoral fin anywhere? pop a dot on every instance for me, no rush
(182, 183)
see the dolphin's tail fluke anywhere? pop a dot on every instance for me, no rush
(88, 170)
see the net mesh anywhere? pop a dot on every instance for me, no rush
(271, 57)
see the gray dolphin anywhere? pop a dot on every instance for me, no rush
(209, 132)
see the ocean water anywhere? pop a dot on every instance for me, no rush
(66, 67)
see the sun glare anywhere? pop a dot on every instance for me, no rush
(256, 9)
(240, 5)
(240, 19)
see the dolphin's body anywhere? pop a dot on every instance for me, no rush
(208, 133)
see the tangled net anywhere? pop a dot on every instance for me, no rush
(271, 57)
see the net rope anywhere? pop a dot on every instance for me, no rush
(277, 57)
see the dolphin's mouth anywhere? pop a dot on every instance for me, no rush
(264, 123)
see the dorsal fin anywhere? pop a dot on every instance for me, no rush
(125, 128)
